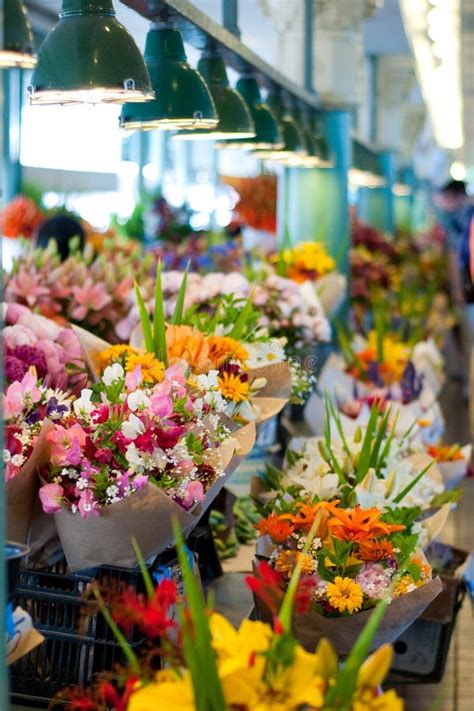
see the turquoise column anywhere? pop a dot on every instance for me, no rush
(313, 203)
(376, 205)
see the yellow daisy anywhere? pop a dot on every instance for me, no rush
(345, 595)
(153, 370)
(233, 388)
(287, 560)
(114, 354)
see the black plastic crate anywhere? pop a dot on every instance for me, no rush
(78, 642)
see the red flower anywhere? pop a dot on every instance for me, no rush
(265, 584)
(167, 438)
(113, 698)
(151, 616)
(12, 443)
(103, 455)
(100, 415)
(304, 594)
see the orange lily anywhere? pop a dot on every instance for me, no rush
(360, 524)
(278, 527)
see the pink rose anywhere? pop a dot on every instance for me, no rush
(51, 496)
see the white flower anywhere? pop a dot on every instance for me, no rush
(132, 427)
(208, 381)
(132, 455)
(112, 373)
(138, 400)
(17, 460)
(265, 353)
(159, 458)
(6, 456)
(83, 405)
(82, 483)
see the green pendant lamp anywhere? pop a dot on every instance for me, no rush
(18, 41)
(267, 135)
(322, 146)
(293, 140)
(310, 157)
(89, 57)
(235, 120)
(182, 99)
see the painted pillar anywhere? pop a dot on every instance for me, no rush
(314, 204)
(376, 205)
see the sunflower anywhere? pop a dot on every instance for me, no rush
(185, 343)
(287, 560)
(233, 387)
(153, 370)
(114, 354)
(223, 348)
(345, 595)
(375, 550)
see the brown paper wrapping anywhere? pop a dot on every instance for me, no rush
(146, 515)
(22, 490)
(91, 346)
(272, 398)
(343, 632)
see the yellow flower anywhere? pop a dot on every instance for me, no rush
(153, 370)
(233, 388)
(114, 354)
(287, 560)
(406, 584)
(367, 701)
(345, 595)
(167, 692)
(222, 348)
(395, 354)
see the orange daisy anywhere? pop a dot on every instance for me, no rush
(375, 550)
(224, 348)
(279, 528)
(183, 342)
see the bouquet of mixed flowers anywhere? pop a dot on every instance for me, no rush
(307, 261)
(140, 446)
(93, 291)
(257, 205)
(29, 411)
(453, 462)
(357, 558)
(33, 340)
(211, 665)
(371, 467)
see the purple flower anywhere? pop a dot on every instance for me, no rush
(410, 384)
(53, 408)
(14, 368)
(33, 417)
(31, 356)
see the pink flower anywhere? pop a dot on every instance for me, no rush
(20, 393)
(175, 375)
(51, 496)
(133, 379)
(87, 505)
(139, 481)
(89, 297)
(161, 405)
(42, 327)
(66, 444)
(194, 494)
(18, 336)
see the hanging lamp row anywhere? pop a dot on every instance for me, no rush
(89, 57)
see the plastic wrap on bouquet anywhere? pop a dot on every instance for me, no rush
(342, 632)
(429, 363)
(92, 346)
(21, 491)
(147, 515)
(331, 290)
(454, 472)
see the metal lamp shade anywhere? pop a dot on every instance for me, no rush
(18, 42)
(267, 134)
(293, 140)
(235, 120)
(182, 100)
(89, 57)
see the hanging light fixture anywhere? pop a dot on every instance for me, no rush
(311, 158)
(293, 140)
(322, 147)
(267, 135)
(365, 171)
(235, 120)
(18, 41)
(89, 57)
(182, 98)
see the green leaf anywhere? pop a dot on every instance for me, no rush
(159, 327)
(145, 321)
(239, 327)
(412, 484)
(447, 497)
(177, 318)
(199, 655)
(366, 451)
(149, 586)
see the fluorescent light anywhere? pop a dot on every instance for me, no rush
(458, 170)
(434, 31)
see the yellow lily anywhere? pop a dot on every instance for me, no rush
(165, 692)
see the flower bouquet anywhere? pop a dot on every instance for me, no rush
(452, 461)
(29, 411)
(357, 558)
(211, 665)
(33, 340)
(141, 446)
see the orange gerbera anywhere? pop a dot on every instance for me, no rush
(278, 527)
(223, 348)
(306, 514)
(183, 342)
(375, 550)
(360, 524)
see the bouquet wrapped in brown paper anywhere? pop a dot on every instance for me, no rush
(358, 557)
(29, 411)
(141, 447)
